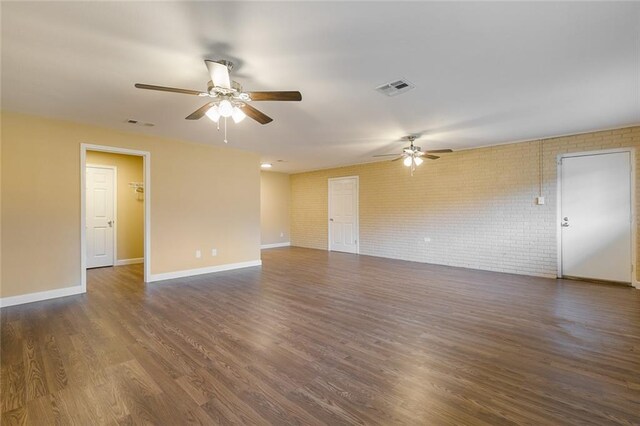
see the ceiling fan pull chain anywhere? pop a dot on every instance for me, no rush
(225, 130)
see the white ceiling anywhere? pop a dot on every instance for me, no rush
(485, 73)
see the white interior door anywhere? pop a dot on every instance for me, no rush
(100, 219)
(596, 227)
(343, 214)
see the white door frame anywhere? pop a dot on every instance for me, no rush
(632, 155)
(357, 178)
(115, 205)
(146, 155)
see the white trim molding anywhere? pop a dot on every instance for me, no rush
(41, 295)
(122, 262)
(206, 270)
(275, 245)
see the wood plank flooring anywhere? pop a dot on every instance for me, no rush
(325, 338)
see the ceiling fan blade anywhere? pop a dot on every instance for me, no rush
(276, 96)
(219, 74)
(399, 158)
(200, 112)
(439, 151)
(431, 157)
(257, 115)
(170, 89)
(385, 155)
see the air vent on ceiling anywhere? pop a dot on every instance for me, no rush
(395, 87)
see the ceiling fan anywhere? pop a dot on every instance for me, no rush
(412, 155)
(226, 97)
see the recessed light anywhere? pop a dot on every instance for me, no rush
(266, 165)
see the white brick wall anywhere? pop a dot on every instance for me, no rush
(477, 206)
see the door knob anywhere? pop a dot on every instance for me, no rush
(110, 223)
(331, 219)
(564, 224)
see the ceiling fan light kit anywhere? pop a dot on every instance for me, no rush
(213, 114)
(228, 97)
(238, 115)
(225, 108)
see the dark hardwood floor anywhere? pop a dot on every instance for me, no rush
(325, 338)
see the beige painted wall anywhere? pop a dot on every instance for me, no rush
(0, 205)
(476, 206)
(203, 197)
(130, 214)
(275, 204)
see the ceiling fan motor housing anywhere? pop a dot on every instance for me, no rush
(226, 63)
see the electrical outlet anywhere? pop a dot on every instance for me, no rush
(214, 252)
(281, 234)
(198, 254)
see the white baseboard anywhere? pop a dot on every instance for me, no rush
(268, 246)
(41, 295)
(199, 271)
(121, 262)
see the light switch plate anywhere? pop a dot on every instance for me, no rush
(539, 201)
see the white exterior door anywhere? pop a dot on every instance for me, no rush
(596, 220)
(343, 214)
(100, 219)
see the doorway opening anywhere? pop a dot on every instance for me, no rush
(597, 227)
(115, 203)
(343, 215)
